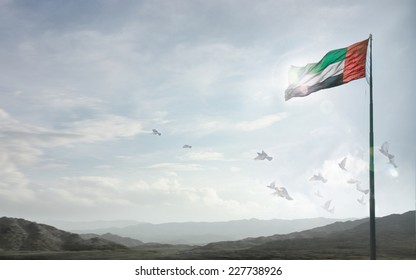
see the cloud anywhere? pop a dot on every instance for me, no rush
(96, 195)
(13, 183)
(169, 192)
(204, 156)
(93, 181)
(262, 122)
(66, 99)
(104, 128)
(201, 66)
(207, 125)
(14, 154)
(83, 191)
(10, 125)
(23, 146)
(176, 166)
(235, 169)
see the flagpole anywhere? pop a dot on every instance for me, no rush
(372, 199)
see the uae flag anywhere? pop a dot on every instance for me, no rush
(337, 67)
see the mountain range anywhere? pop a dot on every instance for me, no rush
(396, 239)
(125, 241)
(199, 233)
(87, 225)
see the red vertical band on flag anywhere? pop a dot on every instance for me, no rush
(354, 67)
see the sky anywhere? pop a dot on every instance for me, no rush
(83, 83)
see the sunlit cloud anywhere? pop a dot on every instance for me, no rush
(204, 155)
(176, 166)
(105, 128)
(262, 122)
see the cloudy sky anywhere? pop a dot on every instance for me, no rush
(83, 83)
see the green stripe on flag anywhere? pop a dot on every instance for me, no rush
(296, 74)
(331, 57)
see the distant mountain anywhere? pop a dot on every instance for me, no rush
(318, 232)
(206, 232)
(126, 241)
(23, 235)
(396, 239)
(87, 225)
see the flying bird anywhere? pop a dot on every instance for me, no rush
(385, 151)
(186, 146)
(365, 191)
(391, 161)
(361, 200)
(262, 156)
(318, 177)
(155, 132)
(318, 194)
(353, 181)
(327, 205)
(272, 186)
(342, 164)
(282, 192)
(279, 191)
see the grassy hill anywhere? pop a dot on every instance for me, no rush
(22, 235)
(396, 239)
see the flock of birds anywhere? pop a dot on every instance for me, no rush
(327, 205)
(156, 132)
(283, 193)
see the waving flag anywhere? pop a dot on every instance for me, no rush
(337, 67)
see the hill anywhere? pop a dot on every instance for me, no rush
(396, 239)
(126, 241)
(23, 235)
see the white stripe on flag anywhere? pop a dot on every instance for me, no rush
(331, 70)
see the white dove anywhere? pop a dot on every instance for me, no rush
(279, 191)
(361, 200)
(318, 194)
(282, 192)
(155, 132)
(342, 164)
(385, 151)
(327, 205)
(365, 191)
(391, 161)
(353, 181)
(262, 156)
(272, 186)
(318, 177)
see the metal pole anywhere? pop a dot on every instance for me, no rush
(372, 200)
